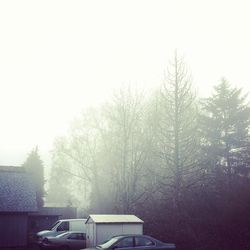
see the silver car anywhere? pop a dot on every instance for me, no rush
(65, 241)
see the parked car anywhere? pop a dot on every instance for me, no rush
(65, 241)
(134, 242)
(62, 226)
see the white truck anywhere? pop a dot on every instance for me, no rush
(62, 226)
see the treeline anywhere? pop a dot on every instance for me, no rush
(179, 162)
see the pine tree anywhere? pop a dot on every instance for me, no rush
(225, 125)
(34, 166)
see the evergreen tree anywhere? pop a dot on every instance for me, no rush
(225, 122)
(225, 125)
(34, 166)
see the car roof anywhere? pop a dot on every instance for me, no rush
(137, 235)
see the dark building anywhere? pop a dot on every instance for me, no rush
(20, 218)
(17, 200)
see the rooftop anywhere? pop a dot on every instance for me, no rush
(114, 218)
(17, 191)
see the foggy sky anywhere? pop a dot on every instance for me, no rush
(58, 57)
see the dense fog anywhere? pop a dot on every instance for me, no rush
(178, 161)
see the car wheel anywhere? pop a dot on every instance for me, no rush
(64, 248)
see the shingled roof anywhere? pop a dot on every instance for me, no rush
(17, 192)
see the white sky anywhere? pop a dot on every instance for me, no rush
(57, 57)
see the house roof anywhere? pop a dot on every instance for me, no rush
(52, 211)
(48, 211)
(17, 191)
(114, 218)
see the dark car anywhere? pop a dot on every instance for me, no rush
(65, 241)
(134, 242)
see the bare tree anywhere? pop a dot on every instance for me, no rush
(77, 157)
(127, 150)
(178, 145)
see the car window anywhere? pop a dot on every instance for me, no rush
(76, 236)
(73, 236)
(64, 226)
(143, 241)
(127, 242)
(108, 243)
(83, 236)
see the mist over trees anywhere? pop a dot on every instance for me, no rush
(178, 161)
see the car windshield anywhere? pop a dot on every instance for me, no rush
(108, 243)
(54, 225)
